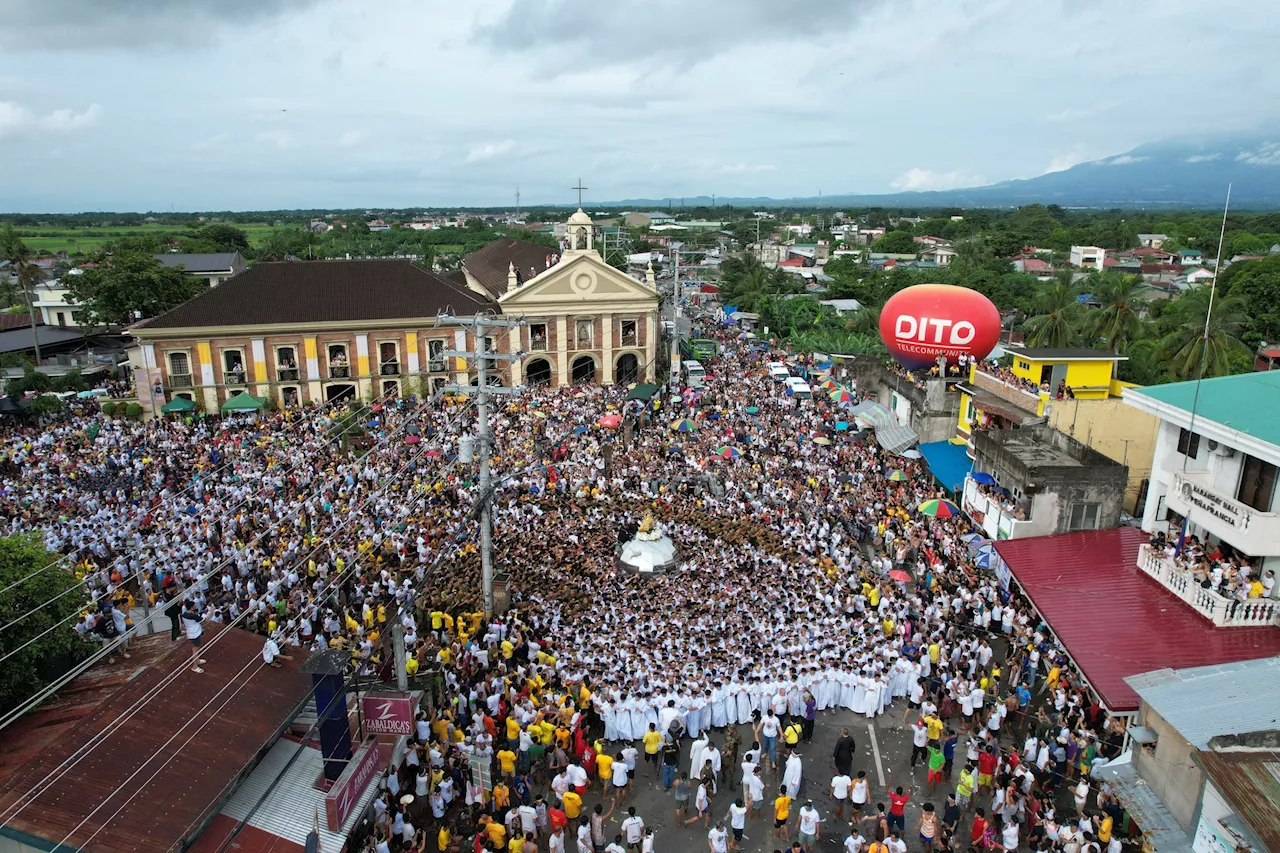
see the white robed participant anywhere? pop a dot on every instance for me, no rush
(696, 759)
(719, 707)
(743, 705)
(791, 775)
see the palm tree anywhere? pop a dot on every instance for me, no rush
(1118, 320)
(1056, 322)
(1184, 347)
(28, 274)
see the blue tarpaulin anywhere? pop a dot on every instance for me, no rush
(949, 463)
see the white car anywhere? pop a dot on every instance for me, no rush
(799, 388)
(778, 371)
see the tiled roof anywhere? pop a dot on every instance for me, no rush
(1112, 618)
(321, 292)
(489, 265)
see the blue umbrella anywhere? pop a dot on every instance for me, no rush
(842, 425)
(969, 538)
(985, 557)
(984, 478)
(579, 430)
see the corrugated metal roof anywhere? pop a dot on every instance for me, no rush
(1156, 822)
(290, 809)
(1113, 620)
(1207, 701)
(1250, 782)
(174, 803)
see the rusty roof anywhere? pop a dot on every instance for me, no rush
(173, 805)
(1250, 782)
(491, 264)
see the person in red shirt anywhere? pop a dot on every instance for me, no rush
(979, 827)
(556, 817)
(987, 762)
(897, 808)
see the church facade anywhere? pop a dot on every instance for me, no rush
(312, 331)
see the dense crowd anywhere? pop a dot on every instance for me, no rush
(809, 582)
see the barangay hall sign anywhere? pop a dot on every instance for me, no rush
(1219, 507)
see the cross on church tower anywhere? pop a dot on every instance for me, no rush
(579, 188)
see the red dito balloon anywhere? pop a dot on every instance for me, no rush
(926, 321)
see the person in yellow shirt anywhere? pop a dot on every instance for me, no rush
(572, 804)
(513, 731)
(501, 797)
(508, 650)
(411, 665)
(934, 726)
(516, 844)
(604, 766)
(496, 831)
(781, 813)
(652, 745)
(507, 763)
(445, 655)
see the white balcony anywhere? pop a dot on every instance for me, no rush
(1242, 527)
(1223, 612)
(994, 519)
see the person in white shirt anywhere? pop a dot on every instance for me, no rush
(717, 839)
(840, 786)
(859, 794)
(584, 838)
(1009, 835)
(528, 818)
(809, 825)
(854, 842)
(737, 822)
(271, 653)
(632, 828)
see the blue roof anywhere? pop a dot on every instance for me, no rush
(949, 463)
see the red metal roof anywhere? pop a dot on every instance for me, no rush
(1115, 621)
(250, 840)
(172, 805)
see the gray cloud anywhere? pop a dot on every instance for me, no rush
(112, 24)
(613, 33)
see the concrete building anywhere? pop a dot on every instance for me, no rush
(927, 403)
(214, 267)
(1152, 241)
(1050, 483)
(1216, 469)
(1088, 257)
(1201, 765)
(1027, 392)
(645, 220)
(311, 331)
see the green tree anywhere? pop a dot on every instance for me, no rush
(131, 283)
(1184, 346)
(15, 251)
(1058, 315)
(1118, 319)
(32, 669)
(895, 243)
(1257, 283)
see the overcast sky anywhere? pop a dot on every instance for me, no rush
(244, 104)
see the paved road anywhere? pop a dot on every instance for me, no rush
(890, 739)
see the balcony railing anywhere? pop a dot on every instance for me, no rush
(340, 372)
(537, 344)
(1008, 391)
(1222, 611)
(436, 366)
(390, 368)
(987, 512)
(628, 339)
(233, 377)
(287, 374)
(180, 380)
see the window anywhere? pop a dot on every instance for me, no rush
(1084, 517)
(435, 356)
(969, 413)
(286, 364)
(538, 337)
(62, 319)
(179, 369)
(628, 333)
(1188, 443)
(437, 386)
(339, 368)
(233, 367)
(488, 345)
(583, 333)
(1257, 484)
(388, 359)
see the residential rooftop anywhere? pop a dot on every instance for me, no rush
(1248, 403)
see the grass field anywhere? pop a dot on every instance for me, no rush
(49, 240)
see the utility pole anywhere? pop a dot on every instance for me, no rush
(479, 324)
(517, 204)
(401, 655)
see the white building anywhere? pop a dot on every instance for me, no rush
(1218, 473)
(1088, 257)
(1152, 241)
(52, 303)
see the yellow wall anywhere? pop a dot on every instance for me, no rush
(1114, 429)
(964, 422)
(1089, 380)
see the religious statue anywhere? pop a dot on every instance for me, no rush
(649, 530)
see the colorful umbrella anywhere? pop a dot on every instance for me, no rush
(684, 425)
(841, 426)
(900, 575)
(822, 440)
(728, 452)
(839, 395)
(610, 421)
(970, 538)
(829, 384)
(986, 557)
(432, 454)
(984, 478)
(898, 477)
(939, 508)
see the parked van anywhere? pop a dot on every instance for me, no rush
(778, 371)
(694, 375)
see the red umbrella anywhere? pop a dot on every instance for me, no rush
(431, 454)
(610, 421)
(900, 575)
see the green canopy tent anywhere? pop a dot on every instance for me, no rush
(244, 403)
(642, 392)
(178, 404)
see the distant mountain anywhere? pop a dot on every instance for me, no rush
(1180, 173)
